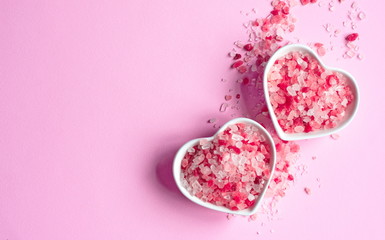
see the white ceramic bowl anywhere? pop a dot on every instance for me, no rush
(350, 111)
(183, 150)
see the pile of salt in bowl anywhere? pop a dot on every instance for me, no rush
(231, 170)
(305, 96)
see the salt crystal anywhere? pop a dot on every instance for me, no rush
(211, 120)
(307, 190)
(291, 91)
(321, 51)
(361, 16)
(350, 54)
(296, 87)
(223, 107)
(299, 129)
(191, 150)
(228, 97)
(328, 27)
(335, 136)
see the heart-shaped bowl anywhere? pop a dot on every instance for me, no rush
(351, 83)
(183, 151)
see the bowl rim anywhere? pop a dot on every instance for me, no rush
(301, 136)
(183, 150)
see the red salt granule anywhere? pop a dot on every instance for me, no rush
(237, 64)
(306, 97)
(229, 171)
(275, 12)
(237, 56)
(248, 47)
(246, 80)
(320, 49)
(351, 37)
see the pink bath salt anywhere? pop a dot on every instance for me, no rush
(306, 97)
(229, 171)
(351, 37)
(228, 97)
(321, 51)
(335, 136)
(307, 190)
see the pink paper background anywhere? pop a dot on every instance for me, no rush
(97, 96)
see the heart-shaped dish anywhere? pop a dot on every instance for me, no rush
(177, 168)
(351, 109)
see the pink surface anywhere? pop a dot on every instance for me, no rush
(97, 96)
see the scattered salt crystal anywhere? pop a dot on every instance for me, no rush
(211, 120)
(321, 51)
(307, 190)
(350, 54)
(223, 107)
(361, 16)
(335, 136)
(360, 57)
(350, 45)
(228, 97)
(328, 27)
